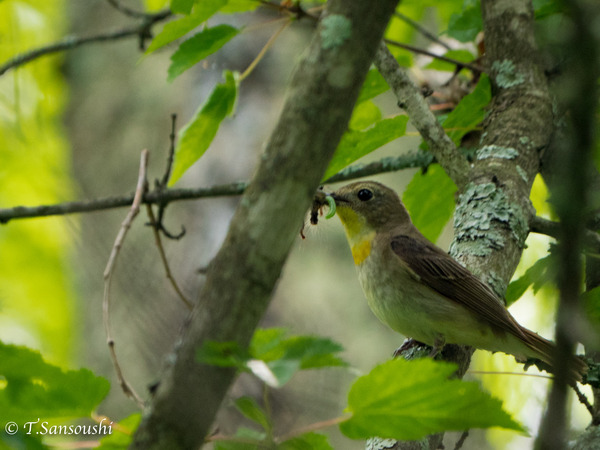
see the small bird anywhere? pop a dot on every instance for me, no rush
(418, 290)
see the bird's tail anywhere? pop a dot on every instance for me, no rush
(544, 350)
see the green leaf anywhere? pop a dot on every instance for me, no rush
(240, 6)
(470, 112)
(465, 25)
(182, 6)
(537, 276)
(285, 356)
(429, 199)
(196, 136)
(364, 115)
(356, 144)
(198, 47)
(459, 55)
(591, 307)
(547, 8)
(408, 400)
(35, 389)
(121, 436)
(308, 441)
(180, 27)
(251, 410)
(373, 86)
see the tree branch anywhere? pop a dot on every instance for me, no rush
(71, 42)
(442, 147)
(240, 279)
(164, 196)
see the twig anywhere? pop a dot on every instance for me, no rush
(461, 440)
(72, 42)
(454, 163)
(313, 427)
(163, 257)
(133, 212)
(549, 228)
(583, 400)
(261, 54)
(162, 186)
(424, 31)
(411, 48)
(417, 159)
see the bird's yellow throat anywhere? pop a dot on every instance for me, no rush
(359, 234)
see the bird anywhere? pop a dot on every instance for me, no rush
(419, 290)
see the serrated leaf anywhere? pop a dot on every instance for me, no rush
(198, 47)
(356, 144)
(308, 441)
(182, 6)
(197, 135)
(537, 275)
(373, 86)
(285, 356)
(408, 400)
(180, 27)
(465, 25)
(251, 410)
(122, 435)
(35, 389)
(458, 55)
(429, 199)
(470, 111)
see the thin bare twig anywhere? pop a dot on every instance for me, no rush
(412, 160)
(164, 260)
(411, 48)
(142, 30)
(162, 186)
(133, 212)
(424, 31)
(261, 54)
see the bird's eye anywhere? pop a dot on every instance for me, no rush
(364, 195)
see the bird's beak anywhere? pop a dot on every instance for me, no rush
(339, 199)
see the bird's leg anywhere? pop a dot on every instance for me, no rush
(438, 345)
(409, 346)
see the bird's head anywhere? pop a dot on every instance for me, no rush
(366, 208)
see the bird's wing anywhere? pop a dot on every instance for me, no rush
(443, 274)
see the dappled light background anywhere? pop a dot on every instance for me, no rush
(112, 103)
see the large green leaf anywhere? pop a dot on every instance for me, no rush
(196, 136)
(198, 47)
(470, 112)
(429, 199)
(408, 400)
(35, 389)
(180, 27)
(373, 86)
(356, 144)
(182, 6)
(465, 26)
